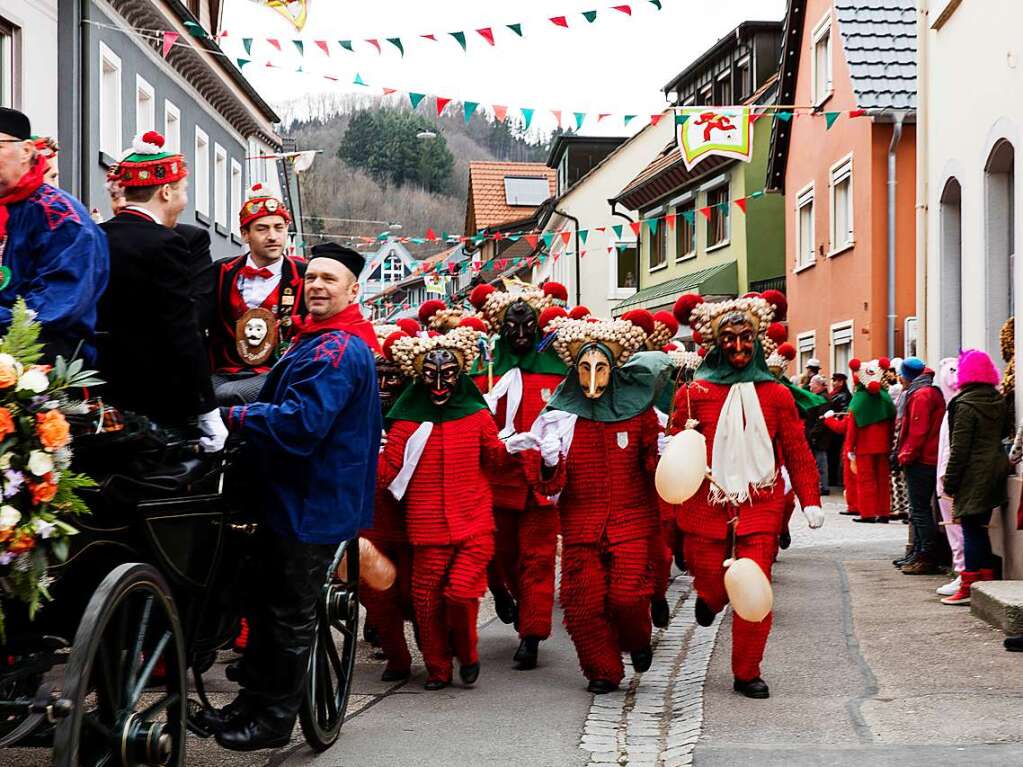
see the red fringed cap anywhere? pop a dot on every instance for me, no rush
(665, 328)
(777, 333)
(855, 364)
(557, 291)
(389, 342)
(788, 351)
(261, 204)
(473, 322)
(409, 351)
(438, 316)
(705, 317)
(148, 164)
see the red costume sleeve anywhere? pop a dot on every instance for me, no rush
(837, 424)
(796, 455)
(917, 427)
(551, 479)
(393, 455)
(852, 433)
(493, 451)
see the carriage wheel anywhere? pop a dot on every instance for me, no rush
(332, 661)
(124, 713)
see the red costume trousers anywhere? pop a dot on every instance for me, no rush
(524, 564)
(852, 499)
(605, 592)
(388, 610)
(705, 558)
(872, 485)
(447, 583)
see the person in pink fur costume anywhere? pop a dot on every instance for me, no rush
(948, 381)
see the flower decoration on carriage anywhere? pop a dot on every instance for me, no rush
(38, 487)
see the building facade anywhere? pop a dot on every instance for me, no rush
(29, 79)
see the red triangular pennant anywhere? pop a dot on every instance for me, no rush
(389, 91)
(557, 115)
(634, 226)
(857, 112)
(627, 10)
(429, 37)
(500, 112)
(430, 234)
(441, 103)
(487, 34)
(565, 237)
(741, 204)
(654, 119)
(559, 21)
(275, 43)
(670, 220)
(374, 43)
(323, 46)
(532, 239)
(705, 212)
(169, 38)
(602, 115)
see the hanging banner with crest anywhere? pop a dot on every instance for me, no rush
(708, 131)
(294, 11)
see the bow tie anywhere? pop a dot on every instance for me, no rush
(248, 272)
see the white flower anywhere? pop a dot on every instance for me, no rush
(34, 380)
(9, 517)
(43, 528)
(5, 461)
(40, 463)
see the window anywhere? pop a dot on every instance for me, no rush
(821, 61)
(723, 90)
(145, 106)
(999, 241)
(220, 186)
(171, 127)
(685, 231)
(841, 347)
(950, 243)
(109, 102)
(9, 65)
(743, 79)
(624, 269)
(520, 190)
(657, 242)
(806, 345)
(706, 95)
(201, 174)
(841, 206)
(236, 196)
(393, 269)
(804, 228)
(717, 223)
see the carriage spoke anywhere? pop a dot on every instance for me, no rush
(332, 656)
(98, 727)
(136, 652)
(326, 691)
(108, 689)
(164, 703)
(147, 671)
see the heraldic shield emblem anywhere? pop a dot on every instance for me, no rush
(623, 439)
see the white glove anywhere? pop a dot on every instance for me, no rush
(550, 449)
(663, 440)
(814, 516)
(214, 433)
(518, 443)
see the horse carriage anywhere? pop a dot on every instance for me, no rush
(148, 593)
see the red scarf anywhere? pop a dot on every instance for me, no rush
(349, 320)
(22, 190)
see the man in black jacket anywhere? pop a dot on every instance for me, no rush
(201, 273)
(153, 354)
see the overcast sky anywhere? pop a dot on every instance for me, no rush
(617, 64)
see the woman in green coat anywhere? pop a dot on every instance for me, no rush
(977, 466)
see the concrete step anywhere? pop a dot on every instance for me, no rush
(1000, 603)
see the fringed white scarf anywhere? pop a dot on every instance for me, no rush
(743, 456)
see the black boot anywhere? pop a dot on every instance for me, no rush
(784, 540)
(906, 560)
(435, 684)
(527, 654)
(255, 734)
(641, 659)
(469, 673)
(601, 686)
(867, 520)
(1013, 644)
(755, 688)
(704, 615)
(660, 613)
(395, 675)
(505, 606)
(210, 721)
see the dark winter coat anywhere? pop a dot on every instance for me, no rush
(977, 465)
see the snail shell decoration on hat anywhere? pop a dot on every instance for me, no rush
(492, 303)
(620, 336)
(408, 352)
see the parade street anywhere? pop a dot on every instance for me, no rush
(865, 667)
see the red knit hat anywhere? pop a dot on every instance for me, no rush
(260, 205)
(149, 165)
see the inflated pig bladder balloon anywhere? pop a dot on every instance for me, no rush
(749, 591)
(375, 569)
(682, 467)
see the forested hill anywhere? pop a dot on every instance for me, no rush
(374, 167)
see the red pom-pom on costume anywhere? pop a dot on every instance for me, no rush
(668, 320)
(697, 337)
(777, 333)
(874, 387)
(640, 318)
(855, 364)
(702, 351)
(579, 312)
(479, 295)
(473, 322)
(684, 307)
(788, 351)
(409, 325)
(550, 314)
(430, 308)
(884, 363)
(555, 290)
(389, 342)
(781, 304)
(154, 138)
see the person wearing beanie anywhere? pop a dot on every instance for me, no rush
(977, 466)
(258, 300)
(54, 256)
(918, 426)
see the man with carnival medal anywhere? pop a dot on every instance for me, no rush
(258, 299)
(752, 427)
(153, 352)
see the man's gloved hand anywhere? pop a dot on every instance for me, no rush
(814, 516)
(550, 449)
(214, 433)
(518, 443)
(663, 440)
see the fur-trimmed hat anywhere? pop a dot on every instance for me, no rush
(148, 164)
(261, 204)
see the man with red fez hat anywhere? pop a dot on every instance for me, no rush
(312, 440)
(752, 428)
(154, 356)
(599, 444)
(51, 252)
(517, 379)
(440, 451)
(258, 299)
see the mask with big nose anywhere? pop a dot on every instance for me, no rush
(594, 369)
(441, 369)
(518, 328)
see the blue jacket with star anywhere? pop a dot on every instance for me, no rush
(315, 437)
(59, 263)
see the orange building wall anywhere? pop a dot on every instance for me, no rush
(852, 284)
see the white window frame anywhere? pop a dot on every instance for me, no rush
(744, 63)
(836, 328)
(110, 60)
(384, 271)
(201, 172)
(805, 342)
(236, 196)
(804, 197)
(822, 29)
(613, 291)
(839, 172)
(726, 75)
(11, 64)
(171, 128)
(220, 187)
(144, 92)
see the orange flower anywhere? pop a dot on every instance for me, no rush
(43, 492)
(53, 429)
(24, 541)
(6, 534)
(8, 373)
(6, 422)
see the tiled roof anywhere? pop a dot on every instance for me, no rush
(487, 204)
(879, 38)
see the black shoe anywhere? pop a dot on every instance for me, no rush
(641, 659)
(660, 613)
(866, 520)
(704, 615)
(849, 513)
(784, 540)
(435, 684)
(825, 492)
(371, 635)
(470, 673)
(527, 654)
(601, 686)
(505, 606)
(755, 688)
(882, 520)
(209, 721)
(254, 735)
(395, 675)
(906, 560)
(1013, 644)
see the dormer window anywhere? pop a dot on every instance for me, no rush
(821, 61)
(394, 269)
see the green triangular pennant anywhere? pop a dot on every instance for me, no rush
(757, 194)
(618, 230)
(830, 117)
(656, 4)
(358, 80)
(247, 42)
(583, 234)
(783, 116)
(527, 115)
(468, 108)
(416, 98)
(689, 216)
(548, 238)
(652, 225)
(346, 44)
(681, 119)
(300, 46)
(579, 118)
(516, 28)
(243, 62)
(460, 37)
(195, 29)
(590, 16)
(396, 42)
(629, 118)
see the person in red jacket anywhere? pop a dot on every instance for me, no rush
(441, 441)
(869, 439)
(599, 443)
(752, 427)
(517, 380)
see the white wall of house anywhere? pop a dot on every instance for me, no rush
(587, 201)
(28, 61)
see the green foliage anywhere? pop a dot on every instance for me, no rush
(22, 339)
(70, 375)
(67, 501)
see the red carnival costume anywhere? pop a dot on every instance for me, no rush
(752, 427)
(868, 441)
